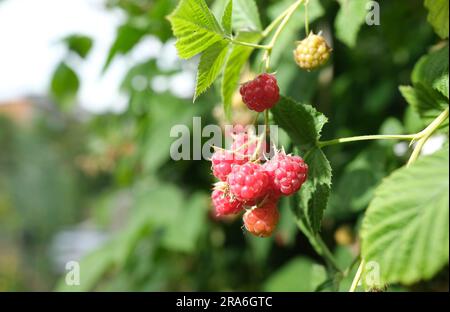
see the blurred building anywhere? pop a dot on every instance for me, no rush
(20, 111)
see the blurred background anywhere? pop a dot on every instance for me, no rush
(89, 90)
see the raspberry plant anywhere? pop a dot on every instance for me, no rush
(405, 227)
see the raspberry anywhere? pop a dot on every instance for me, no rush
(248, 182)
(287, 173)
(261, 221)
(224, 204)
(222, 161)
(260, 93)
(245, 145)
(312, 52)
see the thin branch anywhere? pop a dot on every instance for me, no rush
(357, 276)
(368, 137)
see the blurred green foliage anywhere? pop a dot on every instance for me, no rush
(115, 169)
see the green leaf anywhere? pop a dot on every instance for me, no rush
(406, 227)
(238, 58)
(432, 70)
(438, 16)
(309, 204)
(412, 121)
(246, 16)
(64, 85)
(79, 44)
(427, 102)
(349, 20)
(319, 167)
(315, 191)
(210, 66)
(429, 96)
(315, 205)
(127, 37)
(218, 8)
(302, 122)
(299, 274)
(195, 27)
(227, 18)
(354, 189)
(183, 233)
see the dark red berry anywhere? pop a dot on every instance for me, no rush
(260, 93)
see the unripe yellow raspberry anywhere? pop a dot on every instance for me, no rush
(312, 52)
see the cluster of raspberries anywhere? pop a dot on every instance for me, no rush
(251, 183)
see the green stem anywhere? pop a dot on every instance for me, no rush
(368, 137)
(357, 276)
(424, 135)
(248, 44)
(266, 123)
(306, 18)
(275, 22)
(287, 15)
(281, 21)
(327, 255)
(279, 18)
(255, 121)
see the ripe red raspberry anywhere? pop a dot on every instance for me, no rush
(260, 93)
(287, 173)
(312, 52)
(222, 161)
(224, 204)
(248, 182)
(261, 221)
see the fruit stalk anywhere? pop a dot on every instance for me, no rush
(268, 52)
